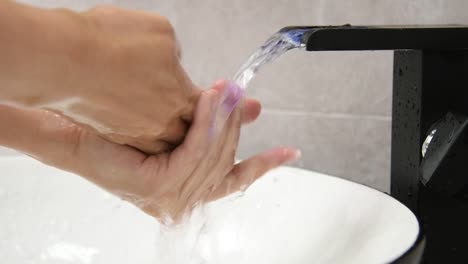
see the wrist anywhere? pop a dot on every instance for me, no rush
(41, 134)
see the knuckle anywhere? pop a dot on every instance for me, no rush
(198, 154)
(67, 143)
(236, 172)
(229, 168)
(72, 140)
(98, 14)
(101, 8)
(165, 25)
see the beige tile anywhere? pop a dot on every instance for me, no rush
(395, 12)
(350, 147)
(328, 82)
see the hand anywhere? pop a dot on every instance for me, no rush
(165, 185)
(140, 95)
(114, 71)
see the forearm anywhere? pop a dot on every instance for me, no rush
(26, 131)
(55, 141)
(34, 45)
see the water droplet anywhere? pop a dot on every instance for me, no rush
(428, 141)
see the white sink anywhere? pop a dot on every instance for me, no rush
(290, 216)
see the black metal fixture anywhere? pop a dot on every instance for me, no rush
(430, 105)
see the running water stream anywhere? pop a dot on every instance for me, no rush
(275, 46)
(188, 242)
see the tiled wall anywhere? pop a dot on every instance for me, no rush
(335, 106)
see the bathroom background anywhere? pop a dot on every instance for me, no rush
(335, 106)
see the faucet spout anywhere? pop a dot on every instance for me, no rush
(401, 37)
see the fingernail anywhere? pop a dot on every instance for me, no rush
(218, 82)
(232, 95)
(297, 154)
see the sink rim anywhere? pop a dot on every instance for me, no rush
(412, 253)
(415, 252)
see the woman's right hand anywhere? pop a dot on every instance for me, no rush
(164, 185)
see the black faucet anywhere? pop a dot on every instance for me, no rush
(430, 98)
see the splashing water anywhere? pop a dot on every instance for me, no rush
(188, 242)
(275, 46)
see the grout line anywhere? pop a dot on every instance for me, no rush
(327, 115)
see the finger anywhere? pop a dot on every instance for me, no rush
(220, 160)
(197, 141)
(227, 147)
(231, 95)
(192, 155)
(231, 133)
(189, 156)
(250, 110)
(230, 107)
(251, 107)
(222, 157)
(246, 172)
(204, 142)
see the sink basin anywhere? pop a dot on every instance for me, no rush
(289, 216)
